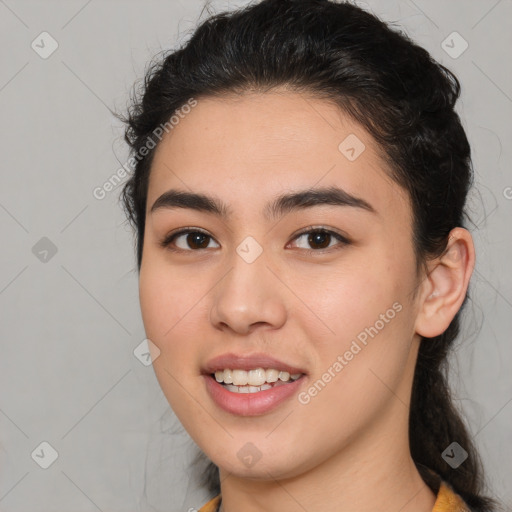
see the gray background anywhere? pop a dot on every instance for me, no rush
(70, 323)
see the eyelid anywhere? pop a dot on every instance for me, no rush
(166, 241)
(324, 229)
(342, 238)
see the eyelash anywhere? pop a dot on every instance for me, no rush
(166, 242)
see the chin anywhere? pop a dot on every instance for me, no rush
(265, 464)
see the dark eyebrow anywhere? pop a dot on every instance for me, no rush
(276, 208)
(314, 197)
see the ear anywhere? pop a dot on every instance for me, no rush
(445, 285)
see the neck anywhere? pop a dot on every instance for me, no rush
(373, 472)
(387, 484)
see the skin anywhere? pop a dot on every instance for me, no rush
(347, 449)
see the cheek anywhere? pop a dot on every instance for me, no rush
(170, 309)
(156, 295)
(166, 298)
(343, 302)
(361, 328)
(171, 306)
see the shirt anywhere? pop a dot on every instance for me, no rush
(447, 501)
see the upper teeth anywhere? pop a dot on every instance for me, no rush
(255, 377)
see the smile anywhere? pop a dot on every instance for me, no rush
(253, 381)
(247, 400)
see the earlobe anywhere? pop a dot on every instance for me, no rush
(445, 284)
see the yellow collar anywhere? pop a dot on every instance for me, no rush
(447, 501)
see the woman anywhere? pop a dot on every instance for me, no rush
(298, 197)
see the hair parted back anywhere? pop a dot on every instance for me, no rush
(394, 89)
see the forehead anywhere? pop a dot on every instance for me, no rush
(246, 149)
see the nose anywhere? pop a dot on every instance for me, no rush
(247, 298)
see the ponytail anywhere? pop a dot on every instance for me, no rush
(435, 423)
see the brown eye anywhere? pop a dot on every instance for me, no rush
(197, 240)
(319, 239)
(314, 240)
(187, 240)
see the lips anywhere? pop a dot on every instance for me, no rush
(252, 402)
(248, 362)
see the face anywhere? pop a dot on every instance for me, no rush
(321, 281)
